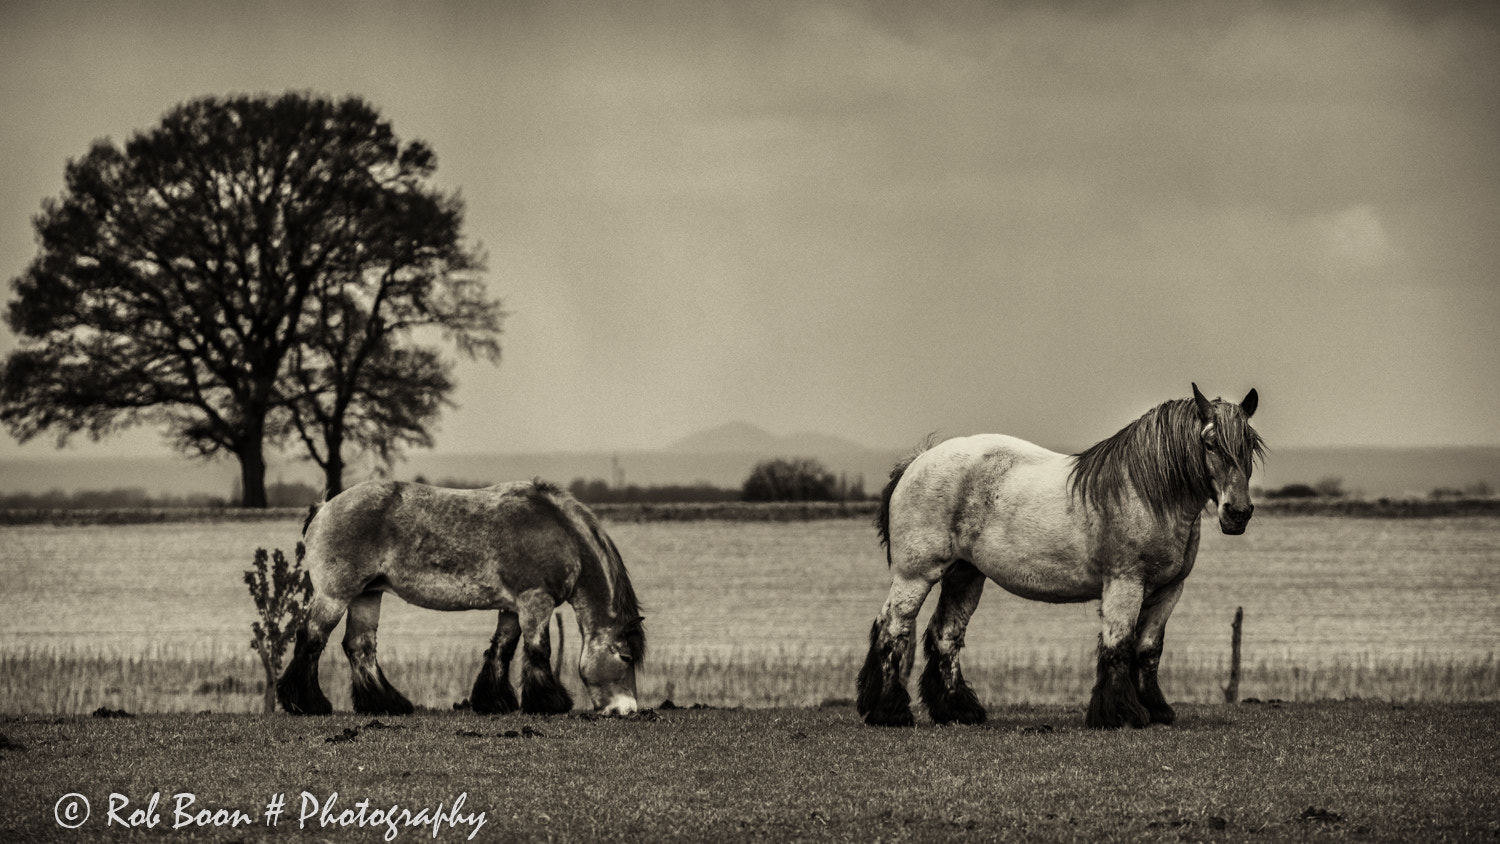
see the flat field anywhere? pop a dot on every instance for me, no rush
(156, 617)
(1371, 642)
(1366, 771)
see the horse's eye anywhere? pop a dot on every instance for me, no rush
(625, 658)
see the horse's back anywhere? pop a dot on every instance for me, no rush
(1000, 502)
(956, 478)
(970, 465)
(443, 548)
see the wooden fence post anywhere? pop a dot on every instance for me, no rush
(1232, 691)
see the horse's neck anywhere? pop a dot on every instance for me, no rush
(593, 601)
(1131, 516)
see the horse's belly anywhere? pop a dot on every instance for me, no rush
(1055, 581)
(445, 594)
(1038, 556)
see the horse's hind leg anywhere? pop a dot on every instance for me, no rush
(492, 690)
(372, 693)
(948, 698)
(541, 691)
(882, 697)
(1150, 635)
(1114, 702)
(298, 689)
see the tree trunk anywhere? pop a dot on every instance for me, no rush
(252, 476)
(269, 700)
(333, 467)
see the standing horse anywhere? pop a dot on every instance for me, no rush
(519, 548)
(1118, 522)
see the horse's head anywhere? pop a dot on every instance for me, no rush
(1230, 448)
(607, 666)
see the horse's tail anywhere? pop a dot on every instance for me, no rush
(883, 515)
(312, 510)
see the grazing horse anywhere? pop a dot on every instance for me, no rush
(519, 548)
(1118, 522)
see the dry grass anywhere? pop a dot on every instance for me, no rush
(69, 681)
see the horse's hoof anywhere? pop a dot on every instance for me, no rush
(495, 707)
(1116, 720)
(546, 701)
(891, 718)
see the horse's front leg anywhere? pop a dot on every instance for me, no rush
(948, 698)
(882, 697)
(1114, 702)
(1150, 635)
(541, 691)
(492, 692)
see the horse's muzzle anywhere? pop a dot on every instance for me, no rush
(620, 705)
(1232, 520)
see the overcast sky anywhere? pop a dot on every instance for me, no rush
(879, 219)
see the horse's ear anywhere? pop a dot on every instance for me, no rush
(1205, 410)
(1250, 403)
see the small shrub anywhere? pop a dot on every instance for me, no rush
(282, 600)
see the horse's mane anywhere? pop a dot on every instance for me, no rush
(1160, 457)
(623, 602)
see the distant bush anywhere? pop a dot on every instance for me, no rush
(122, 498)
(1479, 489)
(1330, 487)
(1292, 491)
(797, 479)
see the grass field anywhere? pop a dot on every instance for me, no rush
(1371, 641)
(155, 617)
(1367, 771)
(191, 680)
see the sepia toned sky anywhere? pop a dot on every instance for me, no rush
(879, 219)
